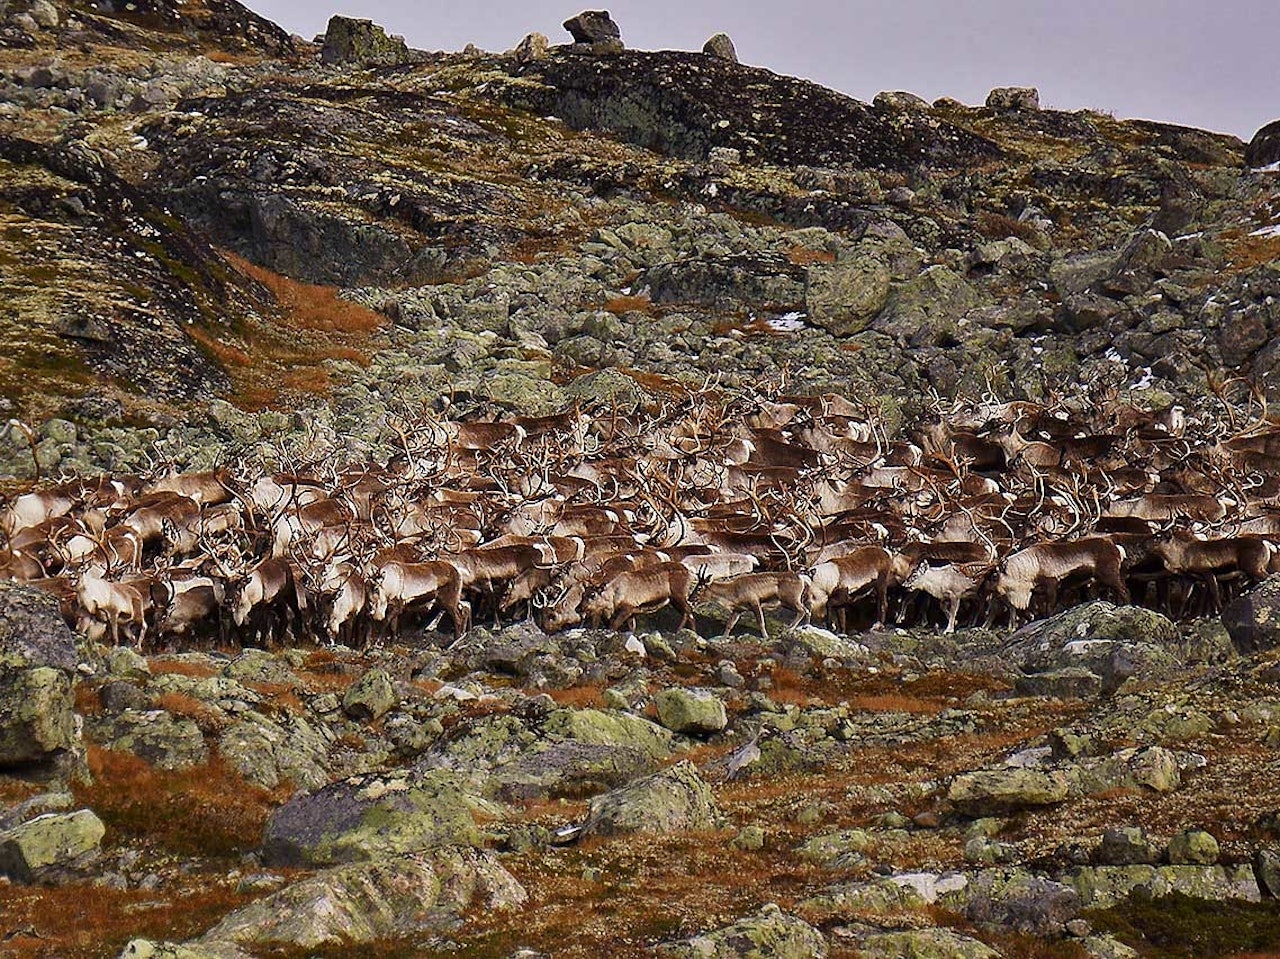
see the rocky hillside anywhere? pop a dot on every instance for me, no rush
(224, 246)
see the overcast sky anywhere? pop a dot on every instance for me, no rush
(1198, 62)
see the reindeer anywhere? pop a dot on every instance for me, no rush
(1184, 554)
(642, 591)
(113, 603)
(269, 598)
(1048, 564)
(754, 591)
(397, 586)
(838, 581)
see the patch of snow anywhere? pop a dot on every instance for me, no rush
(1030, 758)
(1267, 231)
(1269, 168)
(1147, 379)
(787, 323)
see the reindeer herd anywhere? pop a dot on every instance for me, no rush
(737, 504)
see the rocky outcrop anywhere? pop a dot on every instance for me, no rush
(39, 732)
(372, 901)
(361, 43)
(593, 27)
(721, 46)
(1264, 149)
(1014, 98)
(770, 934)
(1002, 791)
(1253, 620)
(696, 712)
(672, 800)
(55, 842)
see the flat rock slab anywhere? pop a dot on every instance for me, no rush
(372, 901)
(369, 817)
(672, 800)
(993, 792)
(47, 842)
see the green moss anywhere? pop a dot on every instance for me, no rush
(1177, 926)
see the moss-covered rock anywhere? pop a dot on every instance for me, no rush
(995, 792)
(369, 817)
(371, 697)
(55, 840)
(669, 801)
(770, 934)
(610, 729)
(371, 901)
(694, 711)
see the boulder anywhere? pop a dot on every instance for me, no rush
(1101, 887)
(1014, 98)
(931, 943)
(360, 43)
(669, 801)
(995, 792)
(369, 817)
(158, 737)
(721, 47)
(269, 752)
(836, 849)
(883, 899)
(899, 101)
(1264, 149)
(1193, 847)
(610, 729)
(37, 665)
(1015, 899)
(926, 310)
(45, 14)
(843, 298)
(592, 27)
(695, 712)
(49, 842)
(362, 903)
(1266, 869)
(1153, 767)
(1253, 620)
(770, 934)
(569, 770)
(1126, 846)
(535, 46)
(371, 697)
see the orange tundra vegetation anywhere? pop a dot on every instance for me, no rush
(207, 811)
(282, 356)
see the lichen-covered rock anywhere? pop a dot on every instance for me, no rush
(924, 944)
(994, 792)
(160, 738)
(1266, 868)
(1253, 620)
(770, 934)
(836, 849)
(1264, 149)
(369, 817)
(1101, 887)
(886, 901)
(371, 901)
(669, 801)
(1016, 899)
(1014, 98)
(844, 297)
(721, 47)
(371, 697)
(360, 43)
(1126, 846)
(610, 729)
(696, 712)
(286, 749)
(926, 310)
(37, 663)
(48, 842)
(569, 769)
(1154, 768)
(1194, 847)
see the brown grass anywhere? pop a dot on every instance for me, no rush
(803, 256)
(997, 226)
(630, 304)
(91, 922)
(174, 667)
(210, 721)
(207, 811)
(307, 306)
(579, 697)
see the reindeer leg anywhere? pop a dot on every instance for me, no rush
(732, 622)
(952, 613)
(764, 630)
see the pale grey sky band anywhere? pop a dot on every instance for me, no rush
(1196, 62)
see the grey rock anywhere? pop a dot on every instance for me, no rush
(1264, 149)
(593, 26)
(37, 662)
(371, 901)
(1015, 899)
(843, 298)
(1266, 868)
(926, 310)
(1014, 98)
(672, 800)
(932, 943)
(535, 46)
(371, 697)
(373, 816)
(1193, 847)
(33, 849)
(693, 711)
(162, 739)
(1101, 887)
(45, 14)
(360, 43)
(1126, 846)
(1253, 620)
(900, 100)
(770, 934)
(996, 792)
(721, 47)
(147, 949)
